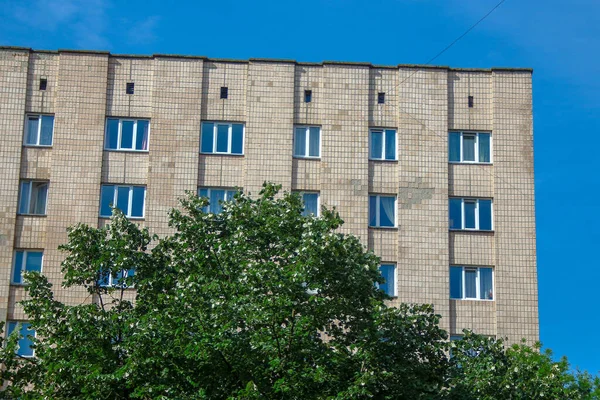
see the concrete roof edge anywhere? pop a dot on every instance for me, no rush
(101, 52)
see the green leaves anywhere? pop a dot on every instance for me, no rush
(257, 302)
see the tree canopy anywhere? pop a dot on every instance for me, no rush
(255, 302)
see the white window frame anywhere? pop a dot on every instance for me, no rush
(29, 198)
(382, 130)
(39, 130)
(477, 283)
(395, 288)
(303, 192)
(211, 188)
(129, 200)
(463, 214)
(120, 131)
(229, 137)
(307, 141)
(378, 211)
(23, 264)
(476, 134)
(16, 322)
(111, 282)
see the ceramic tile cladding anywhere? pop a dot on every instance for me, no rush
(268, 96)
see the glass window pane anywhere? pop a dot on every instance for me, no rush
(390, 144)
(484, 147)
(32, 130)
(17, 268)
(454, 147)
(237, 139)
(106, 199)
(216, 197)
(300, 142)
(123, 199)
(456, 283)
(141, 138)
(455, 210)
(314, 142)
(203, 192)
(470, 206)
(137, 201)
(470, 283)
(468, 147)
(377, 145)
(24, 201)
(34, 261)
(485, 215)
(372, 210)
(47, 130)
(127, 134)
(207, 137)
(39, 195)
(229, 194)
(222, 138)
(388, 272)
(112, 133)
(311, 204)
(25, 342)
(485, 283)
(387, 211)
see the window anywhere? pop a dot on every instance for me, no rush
(382, 211)
(108, 279)
(382, 144)
(127, 134)
(475, 283)
(25, 261)
(43, 83)
(129, 87)
(26, 332)
(470, 101)
(224, 92)
(129, 199)
(381, 98)
(33, 198)
(215, 197)
(307, 141)
(470, 214)
(311, 203)
(470, 147)
(222, 138)
(388, 272)
(39, 130)
(307, 96)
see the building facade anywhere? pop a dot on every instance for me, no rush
(431, 167)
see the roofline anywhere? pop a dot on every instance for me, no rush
(269, 60)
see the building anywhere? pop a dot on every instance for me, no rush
(432, 167)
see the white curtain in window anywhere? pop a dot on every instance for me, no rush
(470, 283)
(485, 283)
(387, 212)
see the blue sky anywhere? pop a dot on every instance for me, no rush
(560, 40)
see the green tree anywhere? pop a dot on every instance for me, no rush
(256, 302)
(484, 369)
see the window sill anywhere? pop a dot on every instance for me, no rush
(32, 215)
(307, 158)
(222, 154)
(469, 163)
(129, 218)
(384, 228)
(382, 160)
(472, 231)
(38, 146)
(127, 151)
(483, 300)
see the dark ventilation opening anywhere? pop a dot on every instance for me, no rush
(470, 101)
(307, 96)
(130, 88)
(224, 92)
(43, 83)
(380, 98)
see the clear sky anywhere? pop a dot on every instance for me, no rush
(559, 39)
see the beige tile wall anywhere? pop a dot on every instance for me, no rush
(178, 93)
